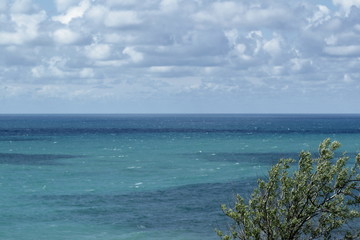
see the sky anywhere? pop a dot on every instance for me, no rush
(179, 56)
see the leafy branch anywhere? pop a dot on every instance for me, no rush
(315, 201)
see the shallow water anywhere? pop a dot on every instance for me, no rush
(143, 176)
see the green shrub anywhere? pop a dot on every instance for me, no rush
(314, 201)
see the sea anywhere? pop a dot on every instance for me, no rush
(117, 177)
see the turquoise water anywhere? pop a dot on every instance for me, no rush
(143, 176)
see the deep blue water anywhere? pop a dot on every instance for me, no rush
(143, 176)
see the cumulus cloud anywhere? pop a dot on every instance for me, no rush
(135, 56)
(73, 13)
(301, 65)
(97, 13)
(116, 3)
(177, 46)
(161, 69)
(226, 13)
(38, 71)
(169, 5)
(122, 19)
(63, 5)
(273, 46)
(98, 51)
(346, 5)
(58, 68)
(320, 16)
(346, 51)
(21, 6)
(120, 38)
(25, 29)
(233, 13)
(347, 78)
(66, 36)
(87, 73)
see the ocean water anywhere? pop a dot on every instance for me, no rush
(143, 176)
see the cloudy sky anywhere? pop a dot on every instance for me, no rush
(179, 56)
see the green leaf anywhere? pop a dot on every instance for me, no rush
(313, 201)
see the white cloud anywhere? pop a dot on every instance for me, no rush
(273, 46)
(98, 51)
(332, 40)
(228, 46)
(232, 14)
(97, 13)
(56, 67)
(169, 5)
(300, 65)
(65, 36)
(51, 91)
(277, 70)
(161, 69)
(221, 12)
(251, 42)
(38, 71)
(320, 16)
(11, 38)
(267, 17)
(257, 37)
(26, 28)
(87, 73)
(346, 5)
(121, 19)
(110, 63)
(232, 36)
(240, 51)
(53, 68)
(347, 78)
(119, 38)
(114, 3)
(12, 90)
(21, 6)
(62, 5)
(133, 54)
(345, 51)
(72, 13)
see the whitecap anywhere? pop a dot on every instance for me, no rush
(141, 226)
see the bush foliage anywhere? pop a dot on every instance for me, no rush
(315, 201)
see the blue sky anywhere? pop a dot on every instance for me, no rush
(179, 56)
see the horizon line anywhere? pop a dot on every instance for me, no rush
(184, 113)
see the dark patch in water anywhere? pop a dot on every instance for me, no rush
(191, 208)
(256, 158)
(21, 139)
(32, 159)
